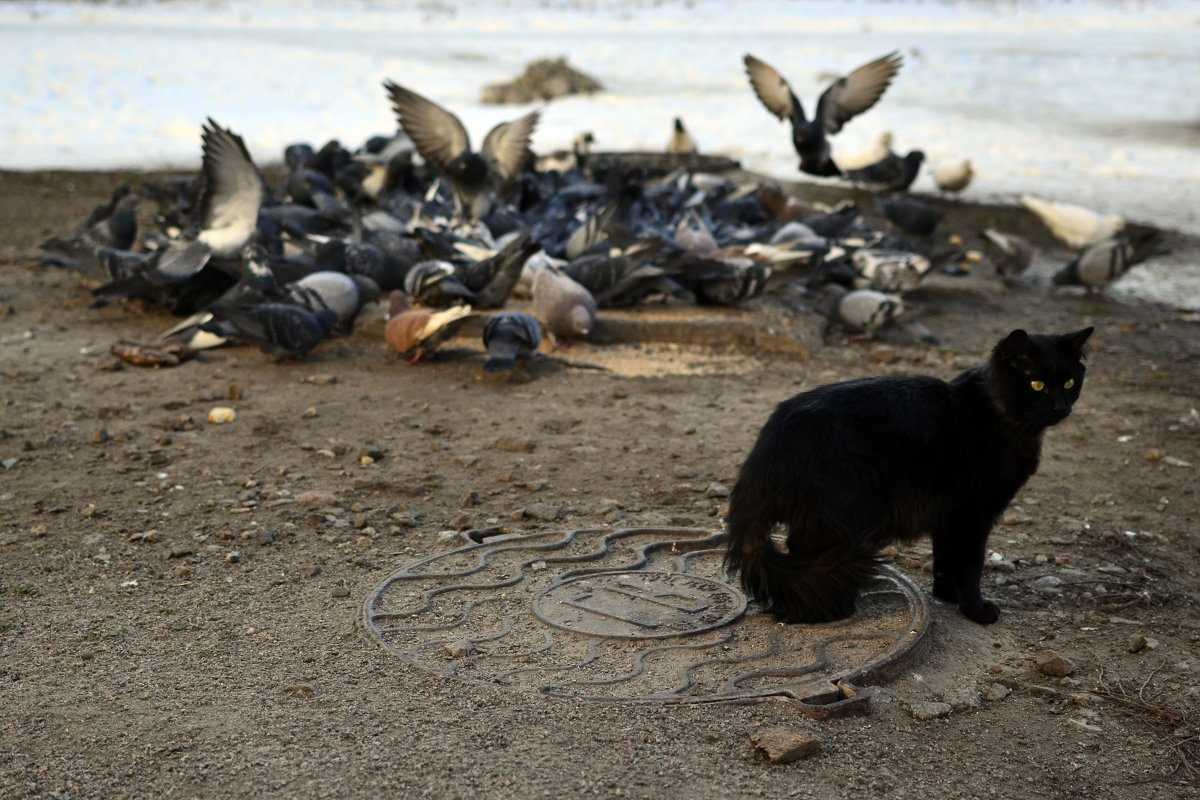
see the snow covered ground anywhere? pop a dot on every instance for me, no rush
(1091, 101)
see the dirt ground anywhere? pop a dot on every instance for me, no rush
(180, 602)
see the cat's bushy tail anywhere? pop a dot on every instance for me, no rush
(796, 587)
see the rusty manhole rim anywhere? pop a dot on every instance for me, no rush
(830, 695)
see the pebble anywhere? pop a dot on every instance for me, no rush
(219, 415)
(780, 745)
(511, 445)
(682, 471)
(998, 691)
(931, 710)
(717, 490)
(323, 379)
(964, 698)
(1048, 584)
(542, 511)
(339, 591)
(1051, 663)
(459, 648)
(883, 355)
(265, 537)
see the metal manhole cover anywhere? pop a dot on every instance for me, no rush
(636, 614)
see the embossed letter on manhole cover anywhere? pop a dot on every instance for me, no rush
(639, 605)
(635, 614)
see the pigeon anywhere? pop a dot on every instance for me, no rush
(1011, 253)
(881, 149)
(953, 176)
(565, 308)
(508, 336)
(436, 283)
(693, 235)
(568, 160)
(228, 209)
(889, 270)
(1075, 225)
(910, 215)
(418, 332)
(338, 292)
(492, 279)
(892, 173)
(1097, 266)
(843, 100)
(862, 311)
(836, 223)
(728, 281)
(112, 225)
(681, 142)
(441, 139)
(285, 331)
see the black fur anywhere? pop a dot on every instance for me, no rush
(850, 467)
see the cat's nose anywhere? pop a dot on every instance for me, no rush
(1062, 403)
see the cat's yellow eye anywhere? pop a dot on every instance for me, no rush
(1070, 382)
(1037, 385)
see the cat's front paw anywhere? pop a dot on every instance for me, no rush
(985, 612)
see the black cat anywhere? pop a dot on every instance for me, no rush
(850, 467)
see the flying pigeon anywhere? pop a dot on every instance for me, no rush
(843, 100)
(1075, 225)
(441, 139)
(228, 210)
(491, 280)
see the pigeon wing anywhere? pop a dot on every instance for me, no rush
(233, 187)
(772, 90)
(850, 96)
(438, 135)
(506, 147)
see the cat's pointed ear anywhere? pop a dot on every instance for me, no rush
(1014, 347)
(1075, 342)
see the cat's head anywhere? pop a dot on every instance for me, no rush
(1037, 377)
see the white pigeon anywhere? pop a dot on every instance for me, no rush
(1075, 225)
(953, 176)
(889, 270)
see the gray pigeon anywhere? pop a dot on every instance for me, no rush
(508, 336)
(859, 310)
(285, 331)
(893, 173)
(889, 270)
(564, 306)
(1011, 253)
(441, 139)
(228, 211)
(436, 284)
(493, 279)
(338, 292)
(910, 215)
(843, 100)
(1096, 266)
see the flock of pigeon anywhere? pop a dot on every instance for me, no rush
(448, 232)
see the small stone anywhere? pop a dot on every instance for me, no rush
(265, 537)
(220, 415)
(183, 572)
(1051, 663)
(883, 355)
(310, 413)
(181, 552)
(1048, 584)
(931, 710)
(1153, 455)
(339, 591)
(964, 698)
(542, 511)
(717, 490)
(459, 648)
(998, 691)
(233, 557)
(323, 379)
(317, 498)
(780, 745)
(515, 445)
(685, 472)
